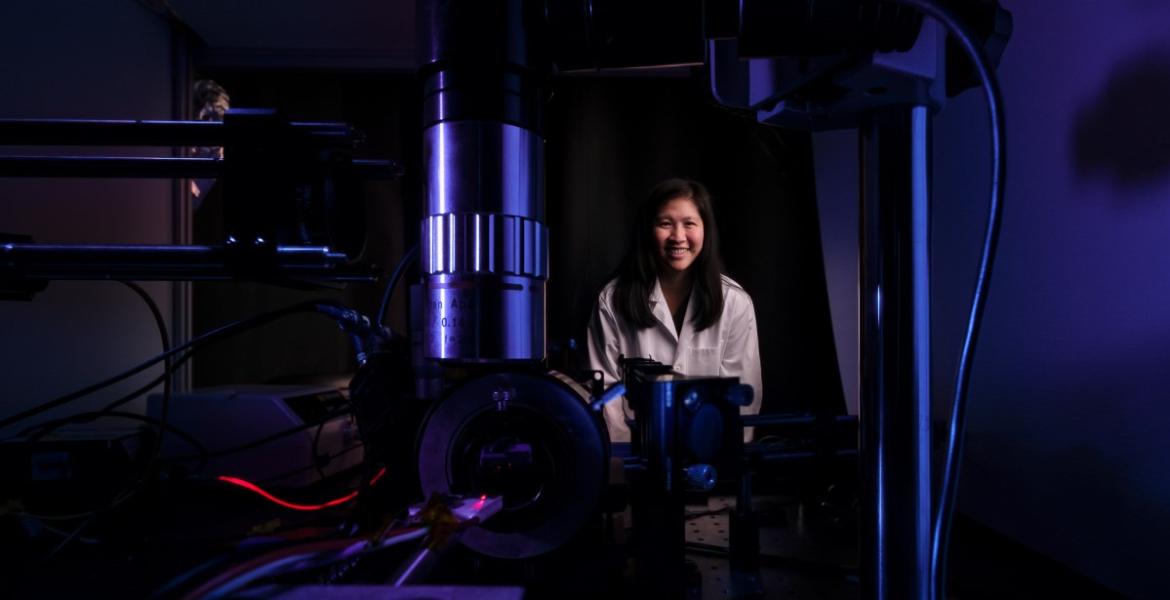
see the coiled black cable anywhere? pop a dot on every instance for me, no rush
(214, 334)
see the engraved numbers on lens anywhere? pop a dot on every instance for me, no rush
(452, 316)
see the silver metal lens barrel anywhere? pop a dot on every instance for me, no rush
(484, 242)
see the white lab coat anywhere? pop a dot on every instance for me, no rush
(729, 348)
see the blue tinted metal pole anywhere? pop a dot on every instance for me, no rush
(895, 354)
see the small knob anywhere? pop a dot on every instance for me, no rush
(701, 477)
(740, 394)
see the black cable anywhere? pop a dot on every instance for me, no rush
(217, 333)
(123, 496)
(40, 429)
(203, 454)
(85, 417)
(166, 374)
(188, 349)
(206, 454)
(320, 466)
(69, 538)
(399, 271)
(241, 549)
(254, 443)
(166, 383)
(945, 511)
(131, 489)
(300, 470)
(63, 534)
(165, 379)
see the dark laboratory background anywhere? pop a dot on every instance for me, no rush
(1064, 487)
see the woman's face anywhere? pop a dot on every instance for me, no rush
(678, 230)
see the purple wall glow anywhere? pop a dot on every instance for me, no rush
(1069, 394)
(81, 60)
(1069, 408)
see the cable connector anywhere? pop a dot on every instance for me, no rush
(367, 338)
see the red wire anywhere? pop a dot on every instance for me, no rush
(248, 485)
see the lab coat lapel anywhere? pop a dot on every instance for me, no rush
(684, 336)
(661, 311)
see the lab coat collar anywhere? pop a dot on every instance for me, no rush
(661, 311)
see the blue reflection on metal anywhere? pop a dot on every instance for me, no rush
(920, 249)
(518, 338)
(452, 245)
(478, 245)
(441, 165)
(615, 391)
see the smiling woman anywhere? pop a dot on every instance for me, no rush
(671, 302)
(678, 230)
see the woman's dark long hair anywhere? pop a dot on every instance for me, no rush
(639, 269)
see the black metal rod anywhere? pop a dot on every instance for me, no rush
(91, 132)
(155, 167)
(895, 355)
(377, 169)
(110, 166)
(169, 263)
(416, 568)
(783, 456)
(788, 419)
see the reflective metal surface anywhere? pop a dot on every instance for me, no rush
(895, 355)
(530, 439)
(481, 166)
(485, 245)
(486, 318)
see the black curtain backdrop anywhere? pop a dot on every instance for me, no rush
(609, 140)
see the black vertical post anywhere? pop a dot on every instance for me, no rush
(182, 222)
(660, 507)
(895, 354)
